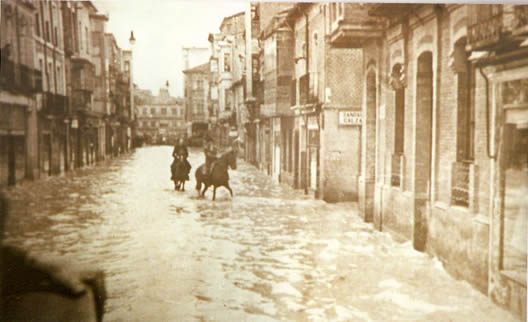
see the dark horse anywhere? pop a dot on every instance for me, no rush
(218, 176)
(180, 169)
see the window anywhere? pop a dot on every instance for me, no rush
(399, 109)
(399, 124)
(56, 37)
(465, 111)
(227, 99)
(59, 80)
(174, 111)
(80, 38)
(87, 39)
(152, 111)
(227, 62)
(47, 31)
(50, 70)
(37, 24)
(164, 111)
(41, 66)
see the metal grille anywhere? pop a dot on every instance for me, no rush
(396, 170)
(460, 184)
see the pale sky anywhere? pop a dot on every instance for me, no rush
(161, 28)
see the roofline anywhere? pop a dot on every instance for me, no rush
(196, 69)
(232, 16)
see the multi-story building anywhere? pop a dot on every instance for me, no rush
(220, 82)
(99, 118)
(161, 119)
(419, 112)
(446, 93)
(80, 80)
(20, 86)
(52, 54)
(49, 46)
(277, 72)
(119, 106)
(196, 100)
(326, 102)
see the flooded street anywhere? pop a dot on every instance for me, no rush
(268, 254)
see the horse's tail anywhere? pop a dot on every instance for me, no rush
(198, 181)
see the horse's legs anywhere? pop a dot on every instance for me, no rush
(229, 188)
(214, 193)
(205, 189)
(183, 186)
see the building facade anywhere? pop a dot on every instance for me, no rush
(446, 100)
(53, 112)
(417, 111)
(161, 118)
(20, 87)
(196, 101)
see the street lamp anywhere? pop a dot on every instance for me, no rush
(131, 132)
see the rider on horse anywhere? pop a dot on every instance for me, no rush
(180, 152)
(210, 154)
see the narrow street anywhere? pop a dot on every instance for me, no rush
(268, 254)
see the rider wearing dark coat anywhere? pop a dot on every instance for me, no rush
(210, 154)
(180, 152)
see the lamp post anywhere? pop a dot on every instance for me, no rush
(131, 130)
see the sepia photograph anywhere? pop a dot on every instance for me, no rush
(207, 160)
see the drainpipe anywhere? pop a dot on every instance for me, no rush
(307, 67)
(492, 192)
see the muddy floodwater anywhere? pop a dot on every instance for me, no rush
(268, 254)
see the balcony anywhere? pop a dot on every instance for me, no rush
(82, 100)
(486, 33)
(352, 27)
(54, 104)
(460, 184)
(520, 21)
(19, 78)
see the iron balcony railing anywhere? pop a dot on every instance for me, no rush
(487, 33)
(55, 104)
(20, 78)
(460, 182)
(520, 19)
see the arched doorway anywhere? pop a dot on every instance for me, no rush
(423, 147)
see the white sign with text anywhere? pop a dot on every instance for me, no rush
(350, 117)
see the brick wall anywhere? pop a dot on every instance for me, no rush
(344, 76)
